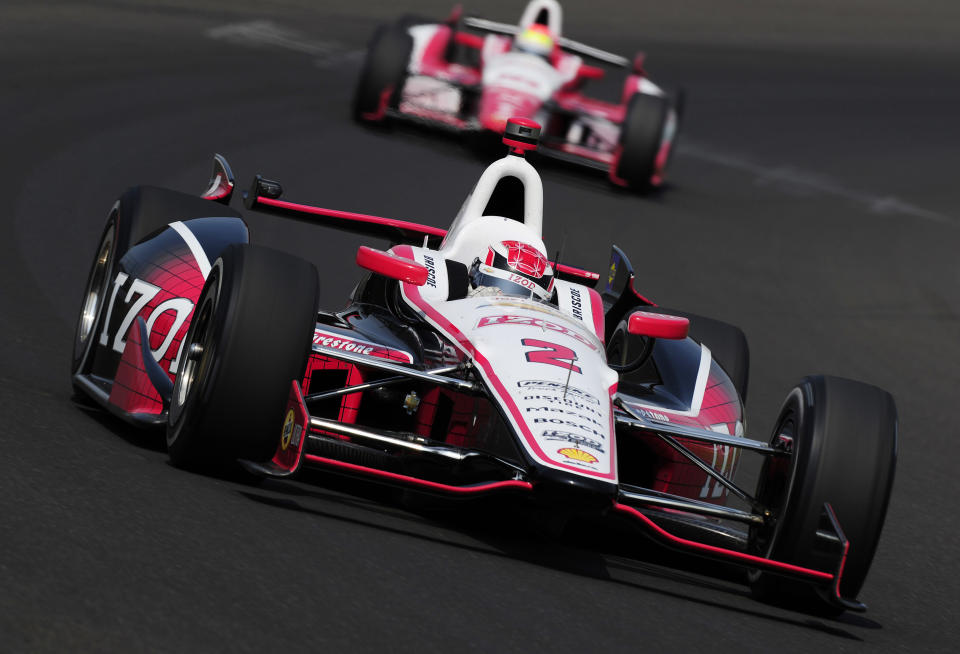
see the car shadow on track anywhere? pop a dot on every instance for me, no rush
(496, 528)
(147, 439)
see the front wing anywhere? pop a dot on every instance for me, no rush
(412, 461)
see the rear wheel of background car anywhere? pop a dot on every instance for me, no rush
(383, 72)
(249, 339)
(140, 211)
(843, 436)
(640, 138)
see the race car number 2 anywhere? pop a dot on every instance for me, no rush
(138, 296)
(551, 354)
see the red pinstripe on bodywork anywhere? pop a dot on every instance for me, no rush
(513, 484)
(349, 215)
(721, 553)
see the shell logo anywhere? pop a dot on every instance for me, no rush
(577, 455)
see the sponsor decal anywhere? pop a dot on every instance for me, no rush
(347, 344)
(286, 436)
(576, 303)
(522, 281)
(554, 409)
(558, 387)
(576, 439)
(614, 262)
(652, 415)
(569, 402)
(570, 423)
(578, 455)
(529, 321)
(431, 270)
(139, 296)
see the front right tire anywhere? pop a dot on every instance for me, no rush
(383, 73)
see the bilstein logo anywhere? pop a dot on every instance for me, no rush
(577, 454)
(287, 432)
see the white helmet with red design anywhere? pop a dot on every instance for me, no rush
(513, 268)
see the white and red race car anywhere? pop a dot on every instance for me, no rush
(468, 363)
(446, 74)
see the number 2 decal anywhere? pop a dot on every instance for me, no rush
(551, 354)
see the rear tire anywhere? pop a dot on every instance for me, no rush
(384, 71)
(844, 440)
(640, 137)
(253, 324)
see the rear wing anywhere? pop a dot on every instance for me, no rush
(265, 196)
(484, 25)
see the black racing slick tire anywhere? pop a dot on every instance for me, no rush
(249, 339)
(843, 437)
(640, 137)
(138, 213)
(384, 70)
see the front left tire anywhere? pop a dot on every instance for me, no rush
(249, 339)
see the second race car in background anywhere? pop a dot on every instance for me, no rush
(470, 75)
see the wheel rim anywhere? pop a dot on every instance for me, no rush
(198, 354)
(773, 489)
(94, 293)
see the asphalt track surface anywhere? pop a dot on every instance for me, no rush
(814, 203)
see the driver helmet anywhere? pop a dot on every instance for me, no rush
(535, 39)
(512, 268)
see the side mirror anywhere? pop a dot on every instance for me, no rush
(658, 325)
(392, 266)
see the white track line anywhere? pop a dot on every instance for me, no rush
(804, 183)
(259, 33)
